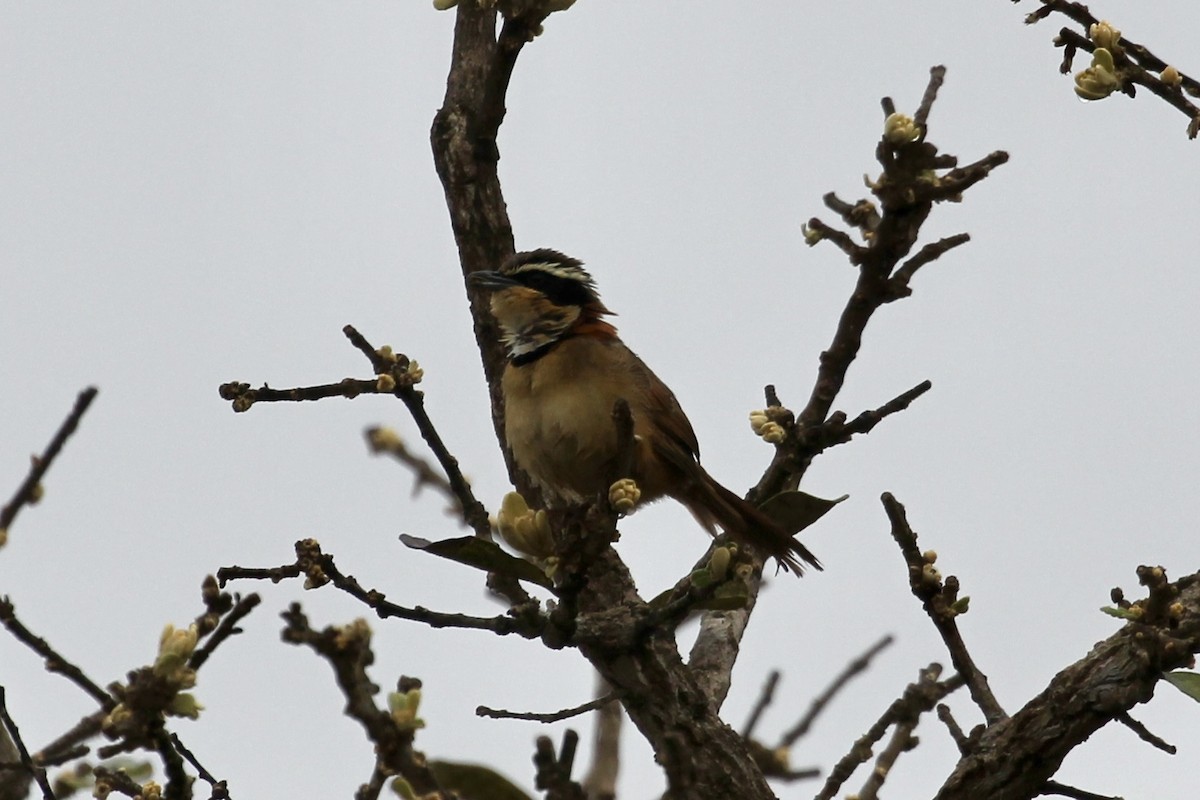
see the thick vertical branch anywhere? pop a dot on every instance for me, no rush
(703, 757)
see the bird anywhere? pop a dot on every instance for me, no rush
(566, 370)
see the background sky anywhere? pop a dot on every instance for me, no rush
(204, 192)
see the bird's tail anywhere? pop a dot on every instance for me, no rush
(714, 505)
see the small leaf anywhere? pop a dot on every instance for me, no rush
(795, 511)
(475, 781)
(481, 554)
(1186, 682)
(1120, 613)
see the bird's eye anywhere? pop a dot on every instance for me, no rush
(558, 289)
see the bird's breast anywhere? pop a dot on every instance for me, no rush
(558, 417)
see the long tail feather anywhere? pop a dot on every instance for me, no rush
(713, 504)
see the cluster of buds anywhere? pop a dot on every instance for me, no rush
(624, 495)
(403, 707)
(1101, 78)
(396, 369)
(355, 635)
(929, 573)
(523, 529)
(900, 129)
(166, 682)
(175, 648)
(771, 424)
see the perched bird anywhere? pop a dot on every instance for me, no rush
(566, 370)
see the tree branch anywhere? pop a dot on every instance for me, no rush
(917, 699)
(29, 490)
(1015, 757)
(941, 604)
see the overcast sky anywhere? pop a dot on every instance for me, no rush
(192, 193)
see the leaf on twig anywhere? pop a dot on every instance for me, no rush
(1186, 682)
(475, 781)
(480, 554)
(795, 511)
(1121, 613)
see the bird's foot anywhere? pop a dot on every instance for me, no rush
(624, 495)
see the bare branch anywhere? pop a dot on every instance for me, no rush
(1134, 64)
(952, 726)
(347, 648)
(554, 771)
(28, 491)
(552, 716)
(906, 193)
(600, 783)
(766, 696)
(917, 699)
(1062, 790)
(1014, 758)
(852, 669)
(219, 788)
(939, 599)
(1144, 733)
(54, 661)
(36, 770)
(319, 568)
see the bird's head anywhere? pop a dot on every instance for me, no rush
(539, 298)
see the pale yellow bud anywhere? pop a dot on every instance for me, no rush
(1170, 76)
(624, 495)
(1105, 35)
(175, 647)
(184, 704)
(385, 383)
(900, 129)
(772, 433)
(1100, 79)
(718, 563)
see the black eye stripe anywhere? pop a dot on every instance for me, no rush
(559, 290)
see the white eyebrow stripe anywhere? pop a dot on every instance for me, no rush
(558, 270)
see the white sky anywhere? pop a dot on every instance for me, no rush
(196, 193)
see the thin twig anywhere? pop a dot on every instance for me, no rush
(1063, 790)
(938, 598)
(551, 716)
(226, 628)
(53, 660)
(219, 790)
(937, 76)
(1134, 63)
(956, 731)
(36, 770)
(1144, 733)
(385, 440)
(319, 568)
(917, 699)
(27, 492)
(554, 771)
(810, 442)
(765, 697)
(902, 741)
(852, 669)
(347, 649)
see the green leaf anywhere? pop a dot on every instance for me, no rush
(795, 511)
(475, 781)
(1186, 682)
(480, 554)
(1120, 613)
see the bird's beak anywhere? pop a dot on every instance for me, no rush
(487, 279)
